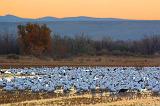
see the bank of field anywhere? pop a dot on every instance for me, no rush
(28, 61)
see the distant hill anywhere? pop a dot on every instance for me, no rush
(12, 18)
(96, 28)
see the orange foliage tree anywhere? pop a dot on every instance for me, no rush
(34, 39)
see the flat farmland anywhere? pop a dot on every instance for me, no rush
(16, 97)
(80, 86)
(26, 61)
(86, 100)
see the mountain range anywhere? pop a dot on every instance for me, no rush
(96, 28)
(12, 18)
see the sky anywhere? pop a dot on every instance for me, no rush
(126, 9)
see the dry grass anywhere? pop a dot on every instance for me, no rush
(51, 99)
(25, 61)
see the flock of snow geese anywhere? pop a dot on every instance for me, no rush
(112, 79)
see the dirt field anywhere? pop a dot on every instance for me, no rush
(81, 100)
(51, 99)
(135, 102)
(80, 61)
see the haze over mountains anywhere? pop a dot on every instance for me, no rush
(96, 28)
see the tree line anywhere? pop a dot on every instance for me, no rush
(35, 39)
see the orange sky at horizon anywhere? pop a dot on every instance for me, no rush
(127, 9)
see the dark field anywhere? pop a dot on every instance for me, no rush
(26, 61)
